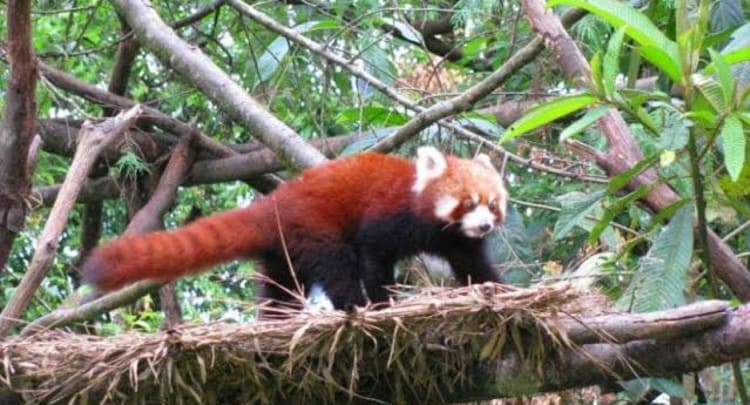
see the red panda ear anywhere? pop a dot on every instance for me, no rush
(431, 164)
(485, 160)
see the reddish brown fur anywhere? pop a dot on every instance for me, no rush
(342, 224)
(330, 199)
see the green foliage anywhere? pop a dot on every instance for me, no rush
(557, 227)
(713, 112)
(546, 113)
(660, 280)
(130, 165)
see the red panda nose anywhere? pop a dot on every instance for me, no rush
(485, 227)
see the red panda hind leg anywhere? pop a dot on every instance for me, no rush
(332, 265)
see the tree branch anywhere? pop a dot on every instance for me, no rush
(468, 98)
(245, 166)
(94, 138)
(216, 85)
(322, 51)
(385, 341)
(148, 218)
(17, 128)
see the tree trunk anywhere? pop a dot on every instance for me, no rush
(17, 129)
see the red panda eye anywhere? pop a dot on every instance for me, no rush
(469, 205)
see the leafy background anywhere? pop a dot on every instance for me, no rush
(558, 227)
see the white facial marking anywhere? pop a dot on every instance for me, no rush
(431, 164)
(444, 206)
(478, 222)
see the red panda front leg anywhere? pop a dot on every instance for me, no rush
(378, 273)
(470, 264)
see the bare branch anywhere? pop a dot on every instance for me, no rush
(246, 166)
(94, 139)
(148, 218)
(155, 35)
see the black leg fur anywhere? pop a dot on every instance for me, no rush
(470, 264)
(378, 273)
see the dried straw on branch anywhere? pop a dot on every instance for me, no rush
(421, 346)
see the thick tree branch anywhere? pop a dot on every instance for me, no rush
(94, 139)
(623, 152)
(723, 337)
(246, 166)
(16, 131)
(155, 35)
(107, 99)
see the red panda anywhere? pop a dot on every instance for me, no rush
(342, 225)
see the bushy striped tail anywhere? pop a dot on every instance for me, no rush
(167, 255)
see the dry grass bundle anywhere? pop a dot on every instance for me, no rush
(421, 346)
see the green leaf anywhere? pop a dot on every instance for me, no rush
(646, 120)
(637, 26)
(662, 274)
(733, 140)
(724, 74)
(271, 59)
(674, 133)
(576, 206)
(732, 58)
(611, 65)
(371, 115)
(663, 60)
(546, 113)
(711, 90)
(665, 213)
(277, 50)
(615, 208)
(596, 74)
(584, 122)
(622, 179)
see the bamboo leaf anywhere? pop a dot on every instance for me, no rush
(733, 139)
(546, 113)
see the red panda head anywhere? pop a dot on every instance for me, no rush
(467, 192)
